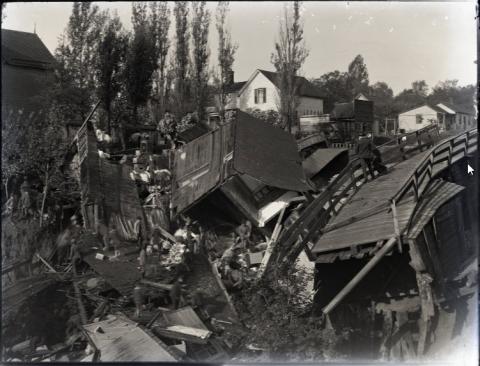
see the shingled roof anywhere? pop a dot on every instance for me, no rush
(458, 108)
(25, 49)
(306, 88)
(27, 70)
(235, 87)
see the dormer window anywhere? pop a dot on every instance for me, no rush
(260, 95)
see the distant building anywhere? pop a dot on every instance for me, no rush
(446, 116)
(27, 68)
(462, 117)
(356, 117)
(261, 91)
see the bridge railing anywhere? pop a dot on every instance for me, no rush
(440, 157)
(395, 149)
(316, 215)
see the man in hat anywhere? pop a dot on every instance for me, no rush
(364, 151)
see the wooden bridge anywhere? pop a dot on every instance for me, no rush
(352, 201)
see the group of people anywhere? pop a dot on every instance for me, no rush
(234, 264)
(23, 204)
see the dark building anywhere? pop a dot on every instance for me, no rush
(27, 70)
(354, 118)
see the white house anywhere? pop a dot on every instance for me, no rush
(420, 117)
(261, 92)
(447, 117)
(461, 118)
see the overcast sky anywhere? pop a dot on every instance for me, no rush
(400, 41)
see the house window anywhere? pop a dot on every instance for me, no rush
(260, 95)
(419, 118)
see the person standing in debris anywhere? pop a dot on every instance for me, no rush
(176, 293)
(25, 198)
(229, 256)
(138, 230)
(377, 162)
(138, 299)
(75, 255)
(364, 151)
(114, 242)
(244, 232)
(142, 258)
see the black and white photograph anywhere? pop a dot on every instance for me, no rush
(240, 182)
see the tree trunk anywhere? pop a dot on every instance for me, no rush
(45, 191)
(6, 189)
(109, 118)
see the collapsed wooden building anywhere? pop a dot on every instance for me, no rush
(382, 247)
(396, 254)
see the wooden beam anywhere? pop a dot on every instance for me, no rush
(359, 276)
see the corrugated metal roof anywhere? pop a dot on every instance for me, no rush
(438, 194)
(122, 340)
(268, 154)
(319, 159)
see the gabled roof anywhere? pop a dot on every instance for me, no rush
(25, 49)
(435, 108)
(235, 87)
(306, 88)
(456, 108)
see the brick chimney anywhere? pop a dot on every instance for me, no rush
(230, 77)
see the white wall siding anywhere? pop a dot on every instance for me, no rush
(247, 98)
(408, 120)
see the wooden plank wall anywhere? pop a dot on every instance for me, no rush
(198, 167)
(120, 197)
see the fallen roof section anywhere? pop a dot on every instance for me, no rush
(439, 193)
(120, 339)
(268, 154)
(376, 227)
(320, 159)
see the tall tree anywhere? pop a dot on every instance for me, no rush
(226, 54)
(411, 98)
(420, 88)
(450, 92)
(159, 25)
(182, 37)
(200, 54)
(358, 76)
(335, 87)
(140, 63)
(77, 54)
(33, 144)
(111, 59)
(288, 58)
(382, 96)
